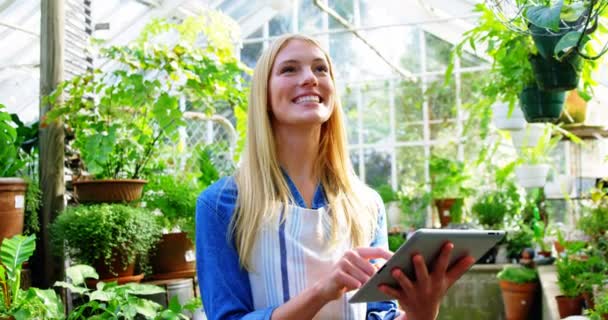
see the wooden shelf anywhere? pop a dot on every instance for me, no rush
(586, 132)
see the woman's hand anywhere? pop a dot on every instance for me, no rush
(421, 298)
(350, 272)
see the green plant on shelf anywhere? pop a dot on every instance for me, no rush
(11, 157)
(448, 178)
(540, 229)
(600, 309)
(93, 233)
(568, 271)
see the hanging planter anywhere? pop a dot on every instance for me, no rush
(554, 75)
(541, 106)
(532, 175)
(575, 109)
(505, 121)
(528, 137)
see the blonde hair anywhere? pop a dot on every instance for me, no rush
(262, 188)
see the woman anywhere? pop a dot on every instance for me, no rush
(294, 231)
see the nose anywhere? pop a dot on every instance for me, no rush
(309, 78)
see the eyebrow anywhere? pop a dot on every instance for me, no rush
(298, 61)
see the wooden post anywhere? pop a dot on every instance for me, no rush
(46, 268)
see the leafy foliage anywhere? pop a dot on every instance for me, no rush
(448, 178)
(93, 232)
(518, 274)
(568, 269)
(113, 301)
(491, 208)
(11, 161)
(121, 118)
(22, 305)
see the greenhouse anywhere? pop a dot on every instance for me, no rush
(232, 159)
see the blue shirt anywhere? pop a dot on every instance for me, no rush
(224, 285)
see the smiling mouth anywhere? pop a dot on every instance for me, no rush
(305, 99)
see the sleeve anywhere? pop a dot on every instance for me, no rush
(383, 310)
(224, 285)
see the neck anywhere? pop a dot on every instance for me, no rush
(297, 150)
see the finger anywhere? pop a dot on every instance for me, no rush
(441, 265)
(353, 271)
(422, 274)
(374, 253)
(459, 269)
(347, 281)
(364, 265)
(391, 292)
(406, 284)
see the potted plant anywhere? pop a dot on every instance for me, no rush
(12, 186)
(593, 276)
(570, 301)
(505, 118)
(448, 188)
(518, 286)
(600, 309)
(119, 301)
(120, 119)
(533, 165)
(518, 239)
(565, 32)
(111, 237)
(17, 303)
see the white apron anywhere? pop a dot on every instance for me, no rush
(290, 257)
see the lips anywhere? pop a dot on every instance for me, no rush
(308, 98)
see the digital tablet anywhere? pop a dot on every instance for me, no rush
(428, 243)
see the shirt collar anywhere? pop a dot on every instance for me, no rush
(318, 200)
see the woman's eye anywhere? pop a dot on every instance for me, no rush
(322, 68)
(288, 69)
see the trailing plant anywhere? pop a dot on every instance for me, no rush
(518, 274)
(15, 302)
(93, 233)
(113, 301)
(121, 118)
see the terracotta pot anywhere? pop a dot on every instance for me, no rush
(173, 257)
(569, 306)
(443, 209)
(588, 297)
(114, 268)
(108, 191)
(517, 298)
(559, 248)
(546, 254)
(12, 206)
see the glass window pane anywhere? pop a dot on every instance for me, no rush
(345, 9)
(309, 17)
(377, 167)
(341, 52)
(349, 105)
(354, 159)
(376, 113)
(250, 53)
(437, 53)
(280, 24)
(410, 165)
(408, 111)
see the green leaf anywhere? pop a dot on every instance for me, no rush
(545, 17)
(15, 251)
(147, 308)
(571, 12)
(567, 42)
(79, 273)
(99, 295)
(142, 289)
(71, 287)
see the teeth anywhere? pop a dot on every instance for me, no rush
(307, 99)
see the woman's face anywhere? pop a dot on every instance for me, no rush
(300, 88)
